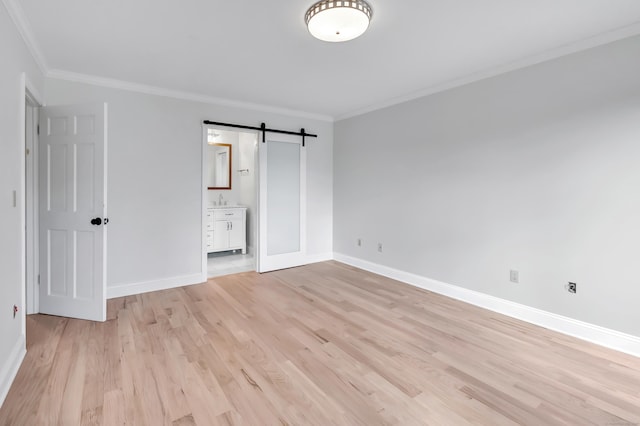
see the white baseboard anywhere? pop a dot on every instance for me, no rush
(321, 257)
(612, 339)
(10, 368)
(121, 290)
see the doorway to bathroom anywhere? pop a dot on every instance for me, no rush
(231, 182)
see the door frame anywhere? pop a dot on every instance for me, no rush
(259, 186)
(29, 98)
(205, 196)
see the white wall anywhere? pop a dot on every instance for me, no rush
(15, 59)
(154, 183)
(535, 170)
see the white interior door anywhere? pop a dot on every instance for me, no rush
(73, 211)
(282, 202)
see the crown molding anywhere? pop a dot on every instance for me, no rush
(22, 25)
(177, 94)
(567, 49)
(17, 16)
(24, 29)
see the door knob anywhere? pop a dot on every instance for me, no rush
(96, 221)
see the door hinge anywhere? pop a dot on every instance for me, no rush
(38, 279)
(38, 129)
(27, 151)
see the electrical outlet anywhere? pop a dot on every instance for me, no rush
(572, 287)
(514, 276)
(359, 242)
(380, 247)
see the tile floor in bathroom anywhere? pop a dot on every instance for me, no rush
(229, 262)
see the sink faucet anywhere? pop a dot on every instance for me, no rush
(220, 200)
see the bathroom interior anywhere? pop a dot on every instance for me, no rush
(230, 170)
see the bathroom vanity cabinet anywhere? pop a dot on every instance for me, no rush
(226, 229)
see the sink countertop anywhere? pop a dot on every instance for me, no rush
(229, 206)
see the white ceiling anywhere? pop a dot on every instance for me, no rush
(260, 52)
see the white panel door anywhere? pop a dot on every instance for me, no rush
(73, 209)
(282, 203)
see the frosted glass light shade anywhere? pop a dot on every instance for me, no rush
(338, 20)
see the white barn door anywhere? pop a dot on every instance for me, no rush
(73, 211)
(282, 202)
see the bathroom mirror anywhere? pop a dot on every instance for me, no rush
(219, 162)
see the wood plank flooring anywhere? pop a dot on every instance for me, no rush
(324, 344)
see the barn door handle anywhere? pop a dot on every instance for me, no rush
(96, 221)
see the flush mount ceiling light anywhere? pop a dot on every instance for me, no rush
(338, 20)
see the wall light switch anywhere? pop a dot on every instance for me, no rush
(514, 276)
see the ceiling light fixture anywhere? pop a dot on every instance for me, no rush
(338, 20)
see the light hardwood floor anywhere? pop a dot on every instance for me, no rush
(325, 344)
